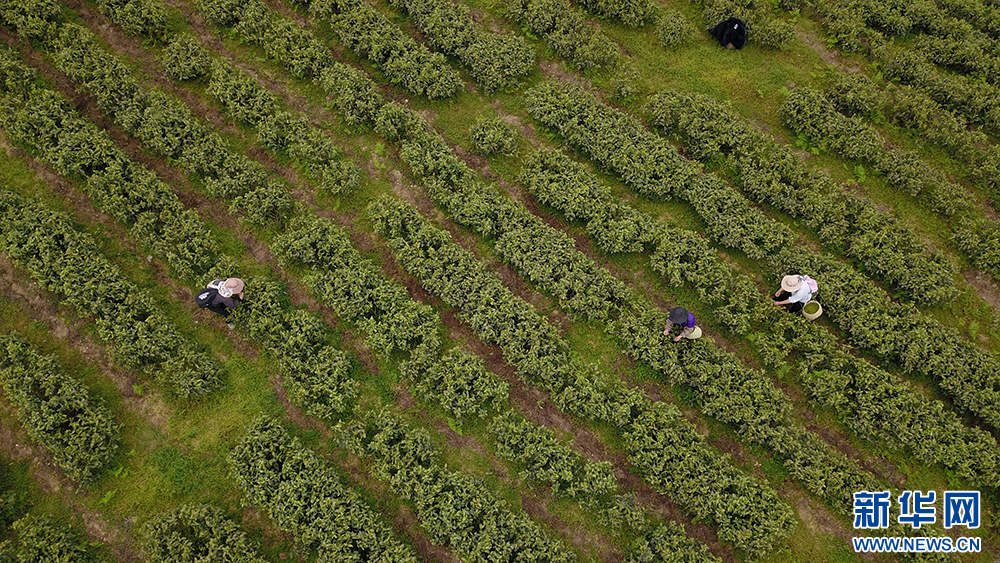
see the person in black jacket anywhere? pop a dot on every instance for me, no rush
(732, 33)
(229, 297)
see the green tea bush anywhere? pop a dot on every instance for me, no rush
(145, 18)
(492, 135)
(304, 496)
(673, 29)
(566, 30)
(58, 411)
(185, 59)
(461, 384)
(42, 538)
(197, 534)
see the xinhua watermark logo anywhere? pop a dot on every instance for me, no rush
(873, 510)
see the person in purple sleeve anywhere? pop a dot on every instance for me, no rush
(680, 316)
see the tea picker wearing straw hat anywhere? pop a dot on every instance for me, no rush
(220, 296)
(681, 317)
(795, 292)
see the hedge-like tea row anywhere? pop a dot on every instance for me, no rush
(566, 30)
(58, 411)
(402, 60)
(31, 18)
(305, 497)
(964, 371)
(748, 514)
(868, 25)
(856, 94)
(772, 173)
(550, 260)
(316, 373)
(456, 510)
(546, 459)
(620, 144)
(831, 376)
(978, 101)
(42, 538)
(168, 128)
(145, 18)
(971, 54)
(68, 263)
(197, 534)
(44, 122)
(246, 100)
(298, 50)
(633, 13)
(358, 290)
(811, 114)
(495, 61)
(456, 380)
(393, 322)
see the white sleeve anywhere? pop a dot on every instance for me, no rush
(803, 295)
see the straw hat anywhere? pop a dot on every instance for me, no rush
(791, 284)
(231, 286)
(678, 315)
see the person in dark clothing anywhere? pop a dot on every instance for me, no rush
(680, 316)
(732, 33)
(229, 297)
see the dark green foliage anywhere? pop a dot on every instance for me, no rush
(977, 101)
(771, 173)
(853, 94)
(830, 375)
(241, 95)
(566, 30)
(316, 374)
(461, 384)
(547, 460)
(185, 59)
(357, 289)
(355, 95)
(68, 263)
(34, 19)
(665, 544)
(456, 510)
(43, 539)
(673, 29)
(492, 135)
(58, 411)
(541, 355)
(633, 13)
(45, 123)
(495, 61)
(197, 534)
(305, 497)
(402, 60)
(145, 18)
(808, 112)
(651, 166)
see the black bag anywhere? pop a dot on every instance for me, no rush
(732, 31)
(204, 299)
